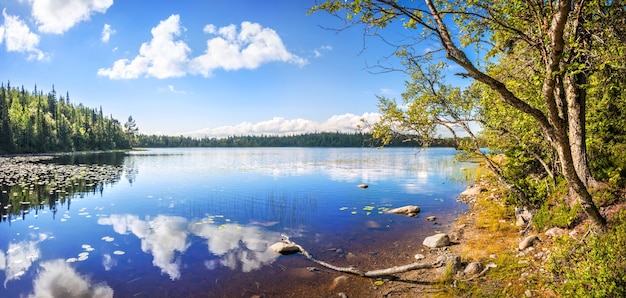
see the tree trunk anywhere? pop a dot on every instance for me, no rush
(576, 187)
(576, 103)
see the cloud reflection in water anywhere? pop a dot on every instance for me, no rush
(20, 257)
(237, 246)
(58, 279)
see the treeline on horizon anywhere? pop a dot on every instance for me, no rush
(36, 122)
(41, 122)
(318, 139)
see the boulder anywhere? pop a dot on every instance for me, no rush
(409, 210)
(473, 268)
(528, 242)
(473, 191)
(522, 217)
(555, 232)
(438, 240)
(284, 248)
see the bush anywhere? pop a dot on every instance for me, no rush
(595, 268)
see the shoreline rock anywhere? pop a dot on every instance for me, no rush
(409, 210)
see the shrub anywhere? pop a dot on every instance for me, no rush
(594, 268)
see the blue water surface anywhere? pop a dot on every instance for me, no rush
(178, 218)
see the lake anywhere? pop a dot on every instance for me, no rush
(198, 222)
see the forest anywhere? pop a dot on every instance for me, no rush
(35, 122)
(318, 139)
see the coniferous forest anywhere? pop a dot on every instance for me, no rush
(38, 121)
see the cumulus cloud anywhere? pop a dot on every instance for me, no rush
(281, 126)
(106, 33)
(162, 57)
(233, 48)
(58, 279)
(252, 46)
(163, 237)
(58, 16)
(18, 37)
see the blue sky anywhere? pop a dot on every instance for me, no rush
(198, 68)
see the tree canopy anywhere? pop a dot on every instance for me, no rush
(33, 122)
(539, 70)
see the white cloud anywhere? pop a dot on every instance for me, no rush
(281, 126)
(162, 57)
(172, 89)
(165, 57)
(58, 279)
(18, 37)
(58, 16)
(252, 46)
(319, 52)
(107, 32)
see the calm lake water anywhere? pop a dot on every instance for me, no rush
(198, 222)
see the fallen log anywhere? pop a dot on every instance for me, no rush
(355, 271)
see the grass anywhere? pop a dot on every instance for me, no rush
(490, 236)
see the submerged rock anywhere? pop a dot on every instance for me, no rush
(438, 240)
(409, 210)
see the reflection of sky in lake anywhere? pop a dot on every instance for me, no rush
(219, 208)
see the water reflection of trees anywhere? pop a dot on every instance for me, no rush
(30, 184)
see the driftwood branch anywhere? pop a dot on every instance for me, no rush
(290, 247)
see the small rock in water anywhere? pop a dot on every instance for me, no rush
(409, 210)
(338, 281)
(431, 218)
(363, 185)
(285, 248)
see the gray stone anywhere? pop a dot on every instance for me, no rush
(555, 232)
(522, 216)
(431, 218)
(419, 257)
(528, 242)
(473, 191)
(285, 248)
(473, 268)
(438, 240)
(409, 210)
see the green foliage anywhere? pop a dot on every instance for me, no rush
(593, 268)
(558, 214)
(37, 122)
